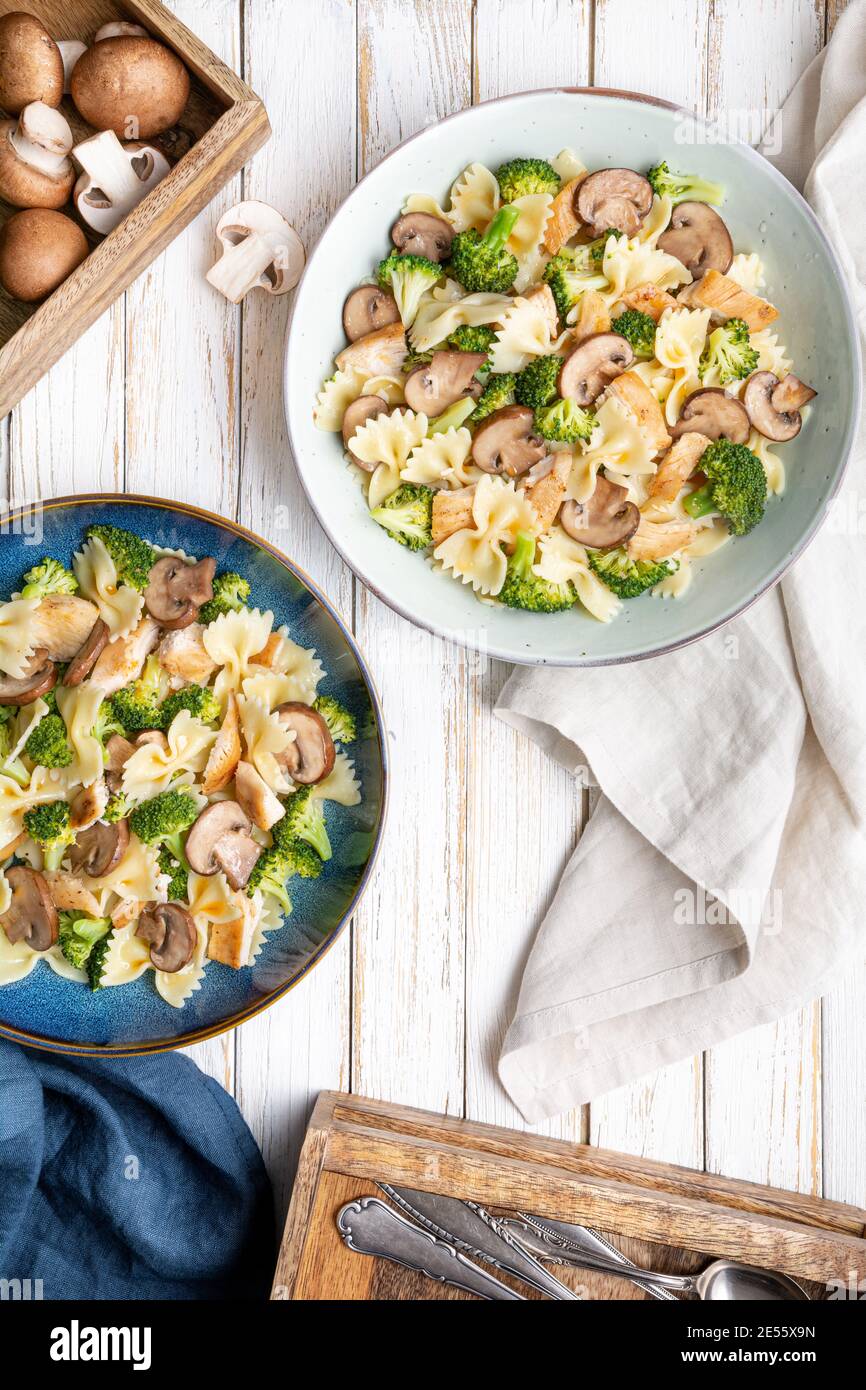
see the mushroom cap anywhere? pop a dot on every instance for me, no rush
(23, 184)
(761, 397)
(506, 442)
(432, 387)
(367, 309)
(698, 237)
(792, 393)
(120, 29)
(39, 249)
(87, 656)
(592, 366)
(619, 198)
(99, 849)
(118, 751)
(220, 842)
(356, 414)
(714, 414)
(131, 85)
(31, 67)
(606, 519)
(422, 234)
(32, 916)
(312, 755)
(176, 590)
(171, 934)
(40, 678)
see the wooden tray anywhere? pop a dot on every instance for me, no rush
(223, 125)
(665, 1217)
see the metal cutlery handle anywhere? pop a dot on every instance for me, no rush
(372, 1228)
(552, 1242)
(576, 1259)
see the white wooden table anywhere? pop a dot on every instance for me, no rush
(175, 393)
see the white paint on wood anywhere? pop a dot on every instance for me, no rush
(843, 1056)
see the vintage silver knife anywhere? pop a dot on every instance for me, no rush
(370, 1227)
(475, 1232)
(552, 1240)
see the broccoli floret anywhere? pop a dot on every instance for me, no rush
(639, 330)
(683, 188)
(197, 699)
(14, 769)
(270, 875)
(107, 724)
(523, 589)
(49, 577)
(564, 422)
(303, 860)
(230, 593)
(136, 708)
(178, 876)
(49, 827)
(48, 745)
(418, 359)
(572, 272)
(119, 808)
(452, 418)
(736, 486)
(498, 393)
(519, 177)
(165, 821)
(469, 339)
(408, 278)
(407, 515)
(536, 384)
(133, 557)
(304, 820)
(97, 960)
(629, 578)
(340, 722)
(79, 934)
(729, 351)
(481, 263)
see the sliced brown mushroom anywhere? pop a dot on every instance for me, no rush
(41, 676)
(171, 933)
(619, 198)
(715, 414)
(312, 755)
(118, 751)
(605, 520)
(89, 805)
(773, 405)
(792, 393)
(507, 444)
(220, 842)
(698, 237)
(100, 849)
(152, 736)
(358, 413)
(593, 365)
(176, 590)
(422, 234)
(432, 387)
(368, 309)
(32, 916)
(86, 658)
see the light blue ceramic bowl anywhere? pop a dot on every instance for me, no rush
(764, 213)
(45, 1010)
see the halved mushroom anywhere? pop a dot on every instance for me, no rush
(171, 933)
(432, 387)
(220, 842)
(32, 916)
(89, 805)
(698, 237)
(422, 234)
(367, 310)
(86, 658)
(605, 520)
(35, 168)
(176, 590)
(118, 751)
(115, 178)
(260, 250)
(593, 365)
(619, 198)
(100, 849)
(40, 677)
(773, 405)
(312, 755)
(712, 412)
(506, 443)
(254, 796)
(62, 624)
(358, 413)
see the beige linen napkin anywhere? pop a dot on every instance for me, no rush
(721, 879)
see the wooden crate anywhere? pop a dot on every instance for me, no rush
(223, 125)
(661, 1216)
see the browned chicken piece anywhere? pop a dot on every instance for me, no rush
(649, 299)
(123, 660)
(377, 354)
(677, 466)
(592, 318)
(61, 625)
(563, 222)
(182, 654)
(729, 300)
(634, 393)
(230, 942)
(543, 295)
(656, 540)
(452, 511)
(225, 754)
(548, 494)
(69, 894)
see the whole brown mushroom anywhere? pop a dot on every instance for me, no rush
(31, 65)
(131, 85)
(39, 249)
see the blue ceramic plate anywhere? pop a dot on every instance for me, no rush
(47, 1011)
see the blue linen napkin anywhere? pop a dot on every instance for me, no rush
(129, 1179)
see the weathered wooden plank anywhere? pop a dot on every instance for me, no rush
(843, 1095)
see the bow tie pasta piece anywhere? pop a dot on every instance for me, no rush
(748, 271)
(438, 319)
(622, 446)
(388, 440)
(267, 741)
(336, 395)
(340, 785)
(527, 329)
(629, 263)
(563, 560)
(232, 641)
(78, 708)
(774, 466)
(29, 717)
(283, 671)
(45, 785)
(16, 646)
(772, 355)
(526, 242)
(474, 199)
(657, 221)
(127, 958)
(152, 768)
(425, 202)
(680, 339)
(569, 165)
(268, 917)
(119, 606)
(212, 900)
(475, 553)
(137, 878)
(442, 461)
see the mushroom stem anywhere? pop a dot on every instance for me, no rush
(70, 51)
(260, 251)
(116, 178)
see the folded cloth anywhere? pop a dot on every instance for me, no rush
(130, 1179)
(720, 880)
